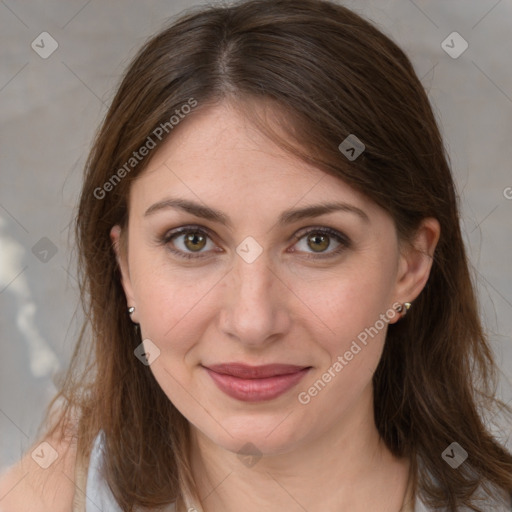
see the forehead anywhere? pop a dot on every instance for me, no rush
(219, 155)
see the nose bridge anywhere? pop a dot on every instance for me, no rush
(254, 279)
(254, 311)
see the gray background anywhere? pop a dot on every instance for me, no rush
(50, 109)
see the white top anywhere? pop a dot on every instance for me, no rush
(100, 497)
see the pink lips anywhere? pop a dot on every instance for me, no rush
(255, 383)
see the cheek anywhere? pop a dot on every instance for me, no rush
(352, 357)
(168, 298)
(344, 304)
(355, 311)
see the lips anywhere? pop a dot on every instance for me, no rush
(255, 383)
(243, 371)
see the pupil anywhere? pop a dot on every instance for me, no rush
(193, 239)
(317, 239)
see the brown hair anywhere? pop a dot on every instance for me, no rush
(328, 73)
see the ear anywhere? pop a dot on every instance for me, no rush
(122, 261)
(416, 262)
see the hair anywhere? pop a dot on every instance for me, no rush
(326, 73)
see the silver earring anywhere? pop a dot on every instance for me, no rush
(404, 307)
(131, 310)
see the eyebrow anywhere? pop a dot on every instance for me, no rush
(286, 217)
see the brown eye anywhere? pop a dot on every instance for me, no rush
(188, 242)
(194, 241)
(318, 242)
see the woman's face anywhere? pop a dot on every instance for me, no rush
(245, 272)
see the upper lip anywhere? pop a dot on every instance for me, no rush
(244, 371)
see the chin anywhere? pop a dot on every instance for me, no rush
(268, 435)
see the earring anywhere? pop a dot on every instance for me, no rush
(404, 307)
(131, 309)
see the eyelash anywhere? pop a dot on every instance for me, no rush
(339, 237)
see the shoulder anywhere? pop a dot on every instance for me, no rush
(43, 481)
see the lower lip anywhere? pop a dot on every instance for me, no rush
(256, 390)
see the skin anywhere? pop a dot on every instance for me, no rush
(283, 307)
(28, 487)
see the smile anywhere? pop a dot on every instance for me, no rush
(256, 384)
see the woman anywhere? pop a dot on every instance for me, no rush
(277, 285)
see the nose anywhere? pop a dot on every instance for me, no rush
(255, 303)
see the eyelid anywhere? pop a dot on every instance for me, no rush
(167, 237)
(339, 236)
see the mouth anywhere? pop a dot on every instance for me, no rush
(256, 383)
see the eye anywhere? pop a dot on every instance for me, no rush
(319, 240)
(189, 242)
